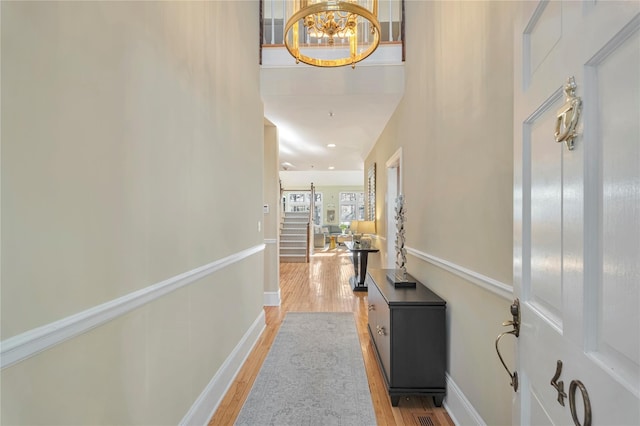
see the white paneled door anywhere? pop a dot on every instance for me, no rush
(577, 212)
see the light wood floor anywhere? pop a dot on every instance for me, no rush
(322, 285)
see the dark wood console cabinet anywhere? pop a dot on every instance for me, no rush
(408, 331)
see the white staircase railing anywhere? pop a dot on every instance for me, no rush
(390, 16)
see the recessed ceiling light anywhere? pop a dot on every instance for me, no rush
(331, 145)
(331, 167)
(330, 114)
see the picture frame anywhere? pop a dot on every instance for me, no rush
(331, 216)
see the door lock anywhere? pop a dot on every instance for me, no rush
(515, 313)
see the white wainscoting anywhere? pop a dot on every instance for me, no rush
(501, 289)
(458, 406)
(207, 403)
(32, 342)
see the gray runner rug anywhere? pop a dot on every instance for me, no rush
(313, 375)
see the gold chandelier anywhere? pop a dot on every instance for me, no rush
(334, 33)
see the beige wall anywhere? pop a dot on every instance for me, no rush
(123, 126)
(454, 126)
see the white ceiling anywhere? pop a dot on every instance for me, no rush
(303, 179)
(312, 107)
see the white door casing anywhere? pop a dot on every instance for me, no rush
(577, 212)
(394, 188)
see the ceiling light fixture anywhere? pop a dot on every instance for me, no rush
(331, 167)
(331, 145)
(331, 33)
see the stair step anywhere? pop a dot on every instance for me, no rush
(293, 250)
(297, 231)
(293, 243)
(293, 237)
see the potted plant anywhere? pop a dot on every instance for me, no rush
(344, 228)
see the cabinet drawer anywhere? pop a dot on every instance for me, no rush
(379, 324)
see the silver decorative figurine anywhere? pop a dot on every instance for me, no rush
(400, 278)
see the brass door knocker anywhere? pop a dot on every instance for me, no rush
(568, 115)
(515, 313)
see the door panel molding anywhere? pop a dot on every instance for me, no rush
(533, 290)
(610, 158)
(540, 36)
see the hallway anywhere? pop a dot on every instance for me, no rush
(322, 285)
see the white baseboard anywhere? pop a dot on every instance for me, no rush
(458, 406)
(272, 298)
(207, 403)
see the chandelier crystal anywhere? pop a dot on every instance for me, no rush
(331, 33)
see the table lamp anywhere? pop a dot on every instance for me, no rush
(353, 227)
(366, 228)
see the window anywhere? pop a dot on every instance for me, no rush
(351, 206)
(300, 202)
(317, 210)
(297, 202)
